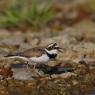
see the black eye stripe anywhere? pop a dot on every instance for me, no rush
(50, 48)
(54, 44)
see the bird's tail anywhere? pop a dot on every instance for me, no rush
(11, 54)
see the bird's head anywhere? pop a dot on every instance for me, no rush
(53, 48)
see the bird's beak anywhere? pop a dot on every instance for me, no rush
(60, 50)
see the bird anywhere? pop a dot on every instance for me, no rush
(40, 54)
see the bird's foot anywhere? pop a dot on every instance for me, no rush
(27, 66)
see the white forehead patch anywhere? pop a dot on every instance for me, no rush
(50, 45)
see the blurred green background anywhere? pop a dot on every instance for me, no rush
(37, 13)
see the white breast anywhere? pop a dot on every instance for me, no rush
(42, 59)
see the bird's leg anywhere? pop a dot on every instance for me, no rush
(27, 66)
(36, 70)
(33, 68)
(38, 73)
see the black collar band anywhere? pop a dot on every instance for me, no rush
(51, 56)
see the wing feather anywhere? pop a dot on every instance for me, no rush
(32, 52)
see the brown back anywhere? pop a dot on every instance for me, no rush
(32, 52)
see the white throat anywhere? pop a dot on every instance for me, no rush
(54, 51)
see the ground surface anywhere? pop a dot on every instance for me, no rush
(76, 38)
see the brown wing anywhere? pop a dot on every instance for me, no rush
(32, 52)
